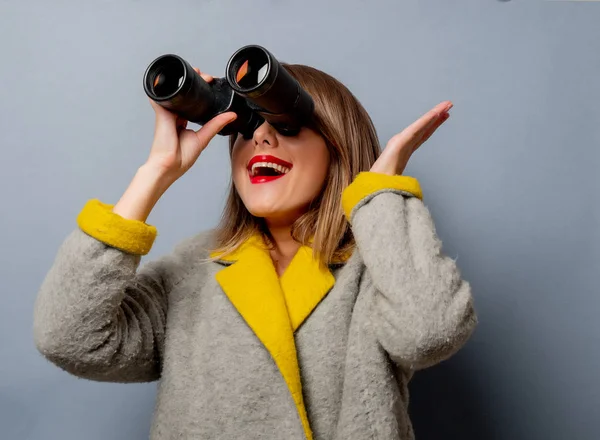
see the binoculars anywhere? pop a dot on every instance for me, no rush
(256, 87)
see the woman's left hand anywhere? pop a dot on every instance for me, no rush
(398, 150)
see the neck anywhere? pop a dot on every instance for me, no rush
(285, 246)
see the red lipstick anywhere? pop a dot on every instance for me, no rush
(265, 168)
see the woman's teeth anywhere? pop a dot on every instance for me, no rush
(279, 168)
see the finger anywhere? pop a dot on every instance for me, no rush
(214, 126)
(412, 133)
(155, 106)
(426, 121)
(443, 107)
(181, 124)
(430, 116)
(162, 114)
(205, 76)
(437, 120)
(181, 121)
(410, 139)
(429, 132)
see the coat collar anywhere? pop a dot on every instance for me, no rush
(275, 307)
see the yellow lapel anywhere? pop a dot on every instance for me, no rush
(274, 309)
(305, 283)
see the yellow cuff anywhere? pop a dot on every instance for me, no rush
(367, 183)
(99, 221)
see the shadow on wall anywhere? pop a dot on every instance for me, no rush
(445, 403)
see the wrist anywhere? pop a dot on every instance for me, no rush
(146, 188)
(156, 175)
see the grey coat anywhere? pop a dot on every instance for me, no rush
(397, 305)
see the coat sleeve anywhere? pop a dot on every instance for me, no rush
(422, 310)
(97, 314)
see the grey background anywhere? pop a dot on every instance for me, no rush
(511, 180)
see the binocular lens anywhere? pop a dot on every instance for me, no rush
(251, 74)
(249, 68)
(165, 85)
(166, 78)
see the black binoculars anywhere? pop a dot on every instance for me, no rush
(256, 87)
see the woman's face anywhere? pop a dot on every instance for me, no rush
(278, 176)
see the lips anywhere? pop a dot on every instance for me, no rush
(261, 168)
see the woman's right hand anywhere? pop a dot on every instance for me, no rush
(176, 148)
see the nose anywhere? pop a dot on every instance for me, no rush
(265, 135)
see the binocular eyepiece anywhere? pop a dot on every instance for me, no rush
(256, 87)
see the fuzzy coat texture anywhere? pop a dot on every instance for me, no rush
(327, 355)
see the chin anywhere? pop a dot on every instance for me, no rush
(263, 210)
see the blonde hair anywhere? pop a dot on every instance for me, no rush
(353, 146)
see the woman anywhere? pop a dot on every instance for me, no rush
(302, 316)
